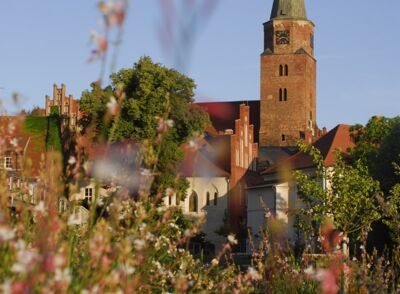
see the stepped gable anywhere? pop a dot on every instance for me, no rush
(338, 138)
(224, 114)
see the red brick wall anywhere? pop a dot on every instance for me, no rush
(244, 154)
(283, 123)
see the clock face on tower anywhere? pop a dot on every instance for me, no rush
(282, 37)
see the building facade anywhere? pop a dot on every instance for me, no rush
(65, 105)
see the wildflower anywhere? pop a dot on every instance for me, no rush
(215, 262)
(40, 207)
(26, 259)
(101, 45)
(112, 105)
(253, 274)
(328, 281)
(14, 142)
(232, 240)
(309, 271)
(139, 244)
(6, 234)
(164, 125)
(73, 220)
(267, 214)
(71, 160)
(62, 276)
(113, 12)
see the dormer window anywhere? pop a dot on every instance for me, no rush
(8, 162)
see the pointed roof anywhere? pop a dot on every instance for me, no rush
(338, 138)
(289, 9)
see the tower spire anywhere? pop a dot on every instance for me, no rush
(292, 9)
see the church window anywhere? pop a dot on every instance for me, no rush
(169, 200)
(241, 153)
(286, 70)
(285, 94)
(281, 70)
(208, 199)
(193, 202)
(280, 94)
(283, 138)
(215, 198)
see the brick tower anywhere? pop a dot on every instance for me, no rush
(288, 76)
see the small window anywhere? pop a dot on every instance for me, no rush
(208, 199)
(215, 199)
(88, 193)
(8, 162)
(283, 138)
(285, 94)
(286, 70)
(169, 200)
(281, 70)
(280, 94)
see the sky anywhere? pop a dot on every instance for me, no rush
(357, 48)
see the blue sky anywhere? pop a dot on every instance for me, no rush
(357, 48)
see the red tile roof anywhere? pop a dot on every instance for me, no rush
(30, 145)
(224, 114)
(337, 139)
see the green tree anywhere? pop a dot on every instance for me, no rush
(378, 146)
(154, 109)
(349, 196)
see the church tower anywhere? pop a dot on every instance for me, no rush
(288, 76)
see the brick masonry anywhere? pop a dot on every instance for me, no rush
(286, 118)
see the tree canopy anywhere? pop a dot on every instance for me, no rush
(150, 104)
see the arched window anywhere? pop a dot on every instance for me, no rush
(285, 95)
(280, 94)
(281, 70)
(286, 70)
(208, 198)
(215, 198)
(169, 200)
(193, 202)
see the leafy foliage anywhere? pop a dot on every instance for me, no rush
(348, 195)
(155, 100)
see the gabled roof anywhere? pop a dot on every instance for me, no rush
(337, 139)
(292, 9)
(224, 114)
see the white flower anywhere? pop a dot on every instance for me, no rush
(71, 160)
(267, 214)
(40, 207)
(14, 142)
(215, 262)
(309, 271)
(62, 276)
(73, 220)
(6, 234)
(26, 259)
(232, 240)
(6, 287)
(139, 244)
(112, 105)
(253, 274)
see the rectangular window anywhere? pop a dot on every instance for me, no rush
(8, 162)
(88, 193)
(283, 138)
